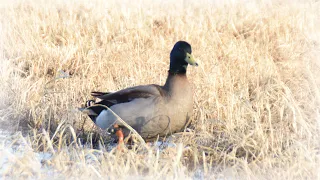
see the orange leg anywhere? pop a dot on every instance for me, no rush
(120, 135)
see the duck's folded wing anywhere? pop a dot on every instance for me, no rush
(129, 94)
(129, 104)
(97, 93)
(123, 96)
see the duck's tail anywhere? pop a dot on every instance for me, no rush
(91, 107)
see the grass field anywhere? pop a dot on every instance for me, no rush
(256, 90)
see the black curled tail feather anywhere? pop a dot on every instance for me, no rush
(89, 103)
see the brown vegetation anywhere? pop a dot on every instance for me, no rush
(256, 105)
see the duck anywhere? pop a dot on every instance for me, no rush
(151, 110)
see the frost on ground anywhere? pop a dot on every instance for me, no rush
(18, 158)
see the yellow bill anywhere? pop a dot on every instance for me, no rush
(190, 60)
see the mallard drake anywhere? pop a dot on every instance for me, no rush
(151, 110)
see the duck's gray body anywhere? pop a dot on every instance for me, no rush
(152, 110)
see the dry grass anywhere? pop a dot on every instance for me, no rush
(257, 98)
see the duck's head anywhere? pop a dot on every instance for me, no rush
(180, 57)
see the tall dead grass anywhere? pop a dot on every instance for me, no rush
(256, 100)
